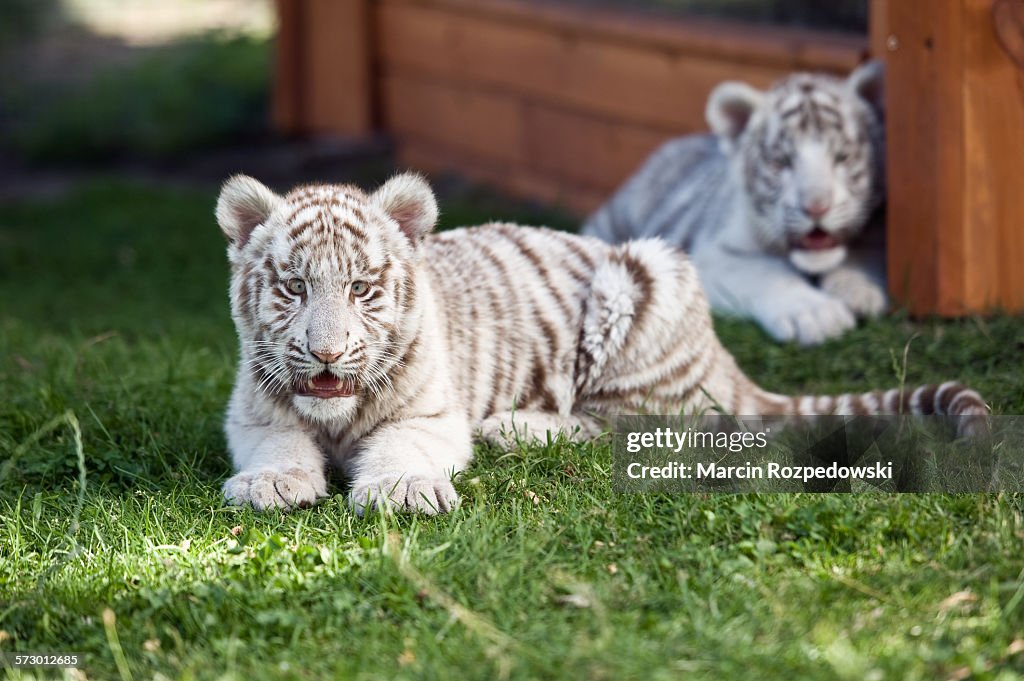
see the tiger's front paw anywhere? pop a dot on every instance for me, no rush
(389, 493)
(293, 488)
(808, 317)
(860, 293)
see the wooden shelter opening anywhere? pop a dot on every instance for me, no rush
(561, 101)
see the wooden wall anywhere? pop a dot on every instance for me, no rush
(560, 104)
(546, 101)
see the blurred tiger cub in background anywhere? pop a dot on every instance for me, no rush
(768, 204)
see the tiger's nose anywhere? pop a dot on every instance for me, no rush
(816, 209)
(325, 356)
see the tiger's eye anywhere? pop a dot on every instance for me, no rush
(360, 288)
(784, 161)
(842, 157)
(296, 286)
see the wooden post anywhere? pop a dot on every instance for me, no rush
(955, 124)
(288, 94)
(878, 28)
(324, 82)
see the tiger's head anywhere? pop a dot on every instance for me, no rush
(323, 286)
(810, 154)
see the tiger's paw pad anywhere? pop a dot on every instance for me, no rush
(290, 489)
(862, 295)
(808, 318)
(391, 493)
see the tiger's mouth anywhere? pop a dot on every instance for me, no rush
(817, 240)
(326, 385)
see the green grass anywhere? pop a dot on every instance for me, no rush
(113, 315)
(205, 91)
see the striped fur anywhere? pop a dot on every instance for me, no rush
(492, 329)
(767, 205)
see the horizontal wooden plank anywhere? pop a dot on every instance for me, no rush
(464, 119)
(585, 150)
(785, 48)
(662, 87)
(591, 152)
(423, 155)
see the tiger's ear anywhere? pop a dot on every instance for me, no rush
(868, 82)
(730, 107)
(243, 204)
(408, 199)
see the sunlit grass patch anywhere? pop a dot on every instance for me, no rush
(113, 310)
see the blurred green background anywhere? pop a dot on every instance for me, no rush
(98, 80)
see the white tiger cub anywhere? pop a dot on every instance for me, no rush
(766, 205)
(370, 344)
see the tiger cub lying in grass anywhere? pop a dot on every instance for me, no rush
(371, 344)
(767, 205)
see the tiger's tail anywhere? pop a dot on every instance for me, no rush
(951, 398)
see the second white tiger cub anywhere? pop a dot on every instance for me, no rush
(370, 344)
(767, 206)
